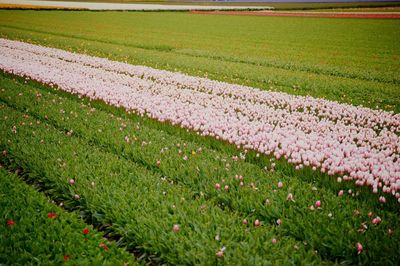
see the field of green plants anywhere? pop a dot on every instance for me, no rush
(150, 188)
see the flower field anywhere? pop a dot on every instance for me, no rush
(181, 169)
(359, 143)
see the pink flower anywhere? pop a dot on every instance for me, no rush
(273, 241)
(219, 254)
(289, 197)
(245, 222)
(377, 220)
(382, 199)
(257, 223)
(280, 184)
(359, 248)
(340, 193)
(71, 181)
(317, 204)
(158, 162)
(176, 228)
(217, 186)
(279, 222)
(226, 188)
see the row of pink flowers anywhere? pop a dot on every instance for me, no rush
(357, 143)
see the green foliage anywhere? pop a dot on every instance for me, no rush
(35, 238)
(337, 59)
(75, 138)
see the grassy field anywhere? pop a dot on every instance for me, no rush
(35, 230)
(171, 212)
(330, 58)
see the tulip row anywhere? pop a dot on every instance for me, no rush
(31, 229)
(204, 167)
(147, 211)
(358, 143)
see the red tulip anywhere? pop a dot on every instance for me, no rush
(104, 246)
(52, 215)
(85, 231)
(10, 222)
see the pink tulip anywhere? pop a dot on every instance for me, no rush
(71, 181)
(176, 228)
(226, 188)
(317, 204)
(340, 193)
(245, 222)
(257, 223)
(217, 186)
(377, 220)
(274, 241)
(280, 184)
(359, 248)
(289, 197)
(382, 199)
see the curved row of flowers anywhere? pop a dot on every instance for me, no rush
(358, 143)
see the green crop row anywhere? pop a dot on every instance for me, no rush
(333, 59)
(148, 142)
(33, 231)
(138, 206)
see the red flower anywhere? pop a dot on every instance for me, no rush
(66, 257)
(104, 246)
(52, 215)
(85, 231)
(10, 222)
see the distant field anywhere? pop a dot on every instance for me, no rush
(273, 4)
(297, 55)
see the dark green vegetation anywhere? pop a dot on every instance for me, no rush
(347, 60)
(58, 136)
(33, 230)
